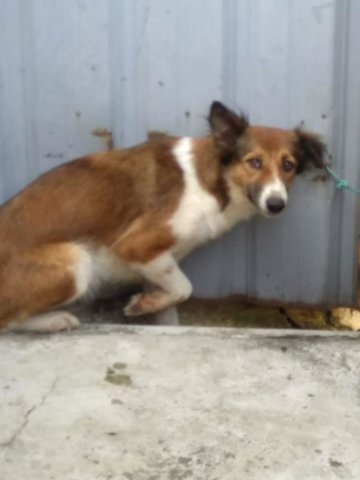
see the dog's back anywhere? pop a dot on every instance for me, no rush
(95, 197)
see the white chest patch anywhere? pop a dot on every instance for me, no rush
(192, 223)
(198, 217)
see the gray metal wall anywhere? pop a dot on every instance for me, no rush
(129, 66)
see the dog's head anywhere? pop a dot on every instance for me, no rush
(262, 161)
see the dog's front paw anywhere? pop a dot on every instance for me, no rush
(142, 303)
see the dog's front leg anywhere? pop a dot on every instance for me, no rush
(163, 272)
(167, 316)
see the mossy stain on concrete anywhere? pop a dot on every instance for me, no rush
(117, 378)
(119, 365)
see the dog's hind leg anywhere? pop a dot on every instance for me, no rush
(48, 322)
(33, 283)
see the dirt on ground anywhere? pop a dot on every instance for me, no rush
(229, 312)
(235, 312)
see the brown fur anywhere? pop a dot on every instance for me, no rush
(210, 170)
(269, 145)
(148, 238)
(35, 279)
(270, 140)
(97, 197)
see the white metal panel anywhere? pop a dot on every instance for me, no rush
(14, 159)
(57, 89)
(166, 66)
(68, 67)
(280, 80)
(342, 267)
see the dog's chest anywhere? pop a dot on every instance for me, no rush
(197, 220)
(194, 221)
(199, 217)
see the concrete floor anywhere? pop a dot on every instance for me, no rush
(169, 403)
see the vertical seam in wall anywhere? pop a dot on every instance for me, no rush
(123, 81)
(229, 52)
(352, 70)
(289, 61)
(230, 72)
(115, 78)
(26, 11)
(338, 235)
(340, 40)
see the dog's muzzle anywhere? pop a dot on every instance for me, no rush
(270, 199)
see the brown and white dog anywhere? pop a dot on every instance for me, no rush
(131, 215)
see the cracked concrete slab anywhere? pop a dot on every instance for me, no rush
(168, 403)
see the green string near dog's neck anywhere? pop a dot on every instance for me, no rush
(341, 183)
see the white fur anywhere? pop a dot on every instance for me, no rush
(193, 219)
(198, 217)
(108, 267)
(83, 271)
(164, 272)
(168, 286)
(48, 322)
(276, 188)
(97, 267)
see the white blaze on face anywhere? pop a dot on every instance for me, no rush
(273, 190)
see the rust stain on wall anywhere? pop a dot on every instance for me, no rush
(320, 178)
(105, 135)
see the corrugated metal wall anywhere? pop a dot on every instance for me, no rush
(130, 66)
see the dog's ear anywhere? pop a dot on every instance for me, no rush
(226, 127)
(308, 148)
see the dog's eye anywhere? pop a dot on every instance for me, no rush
(287, 165)
(255, 163)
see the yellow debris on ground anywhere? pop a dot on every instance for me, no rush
(347, 317)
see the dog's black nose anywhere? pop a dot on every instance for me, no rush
(275, 204)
